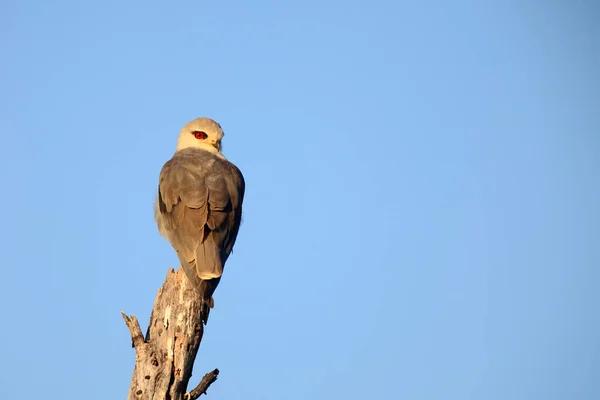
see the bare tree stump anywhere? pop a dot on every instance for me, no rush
(165, 357)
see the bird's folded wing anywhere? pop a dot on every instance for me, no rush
(200, 204)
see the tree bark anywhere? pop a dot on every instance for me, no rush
(164, 358)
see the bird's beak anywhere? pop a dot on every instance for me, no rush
(216, 145)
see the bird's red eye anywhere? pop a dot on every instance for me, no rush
(200, 135)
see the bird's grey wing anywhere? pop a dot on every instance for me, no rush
(236, 187)
(226, 187)
(183, 211)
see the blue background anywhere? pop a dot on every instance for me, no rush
(422, 216)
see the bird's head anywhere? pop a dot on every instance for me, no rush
(201, 133)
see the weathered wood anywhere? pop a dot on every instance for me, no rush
(165, 357)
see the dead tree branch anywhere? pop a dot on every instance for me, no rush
(164, 358)
(206, 381)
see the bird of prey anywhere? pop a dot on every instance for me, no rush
(199, 205)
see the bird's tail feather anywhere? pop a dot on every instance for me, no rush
(208, 259)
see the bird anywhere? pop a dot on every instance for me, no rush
(199, 206)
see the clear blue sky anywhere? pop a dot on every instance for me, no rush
(422, 218)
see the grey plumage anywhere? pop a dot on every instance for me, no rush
(199, 206)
